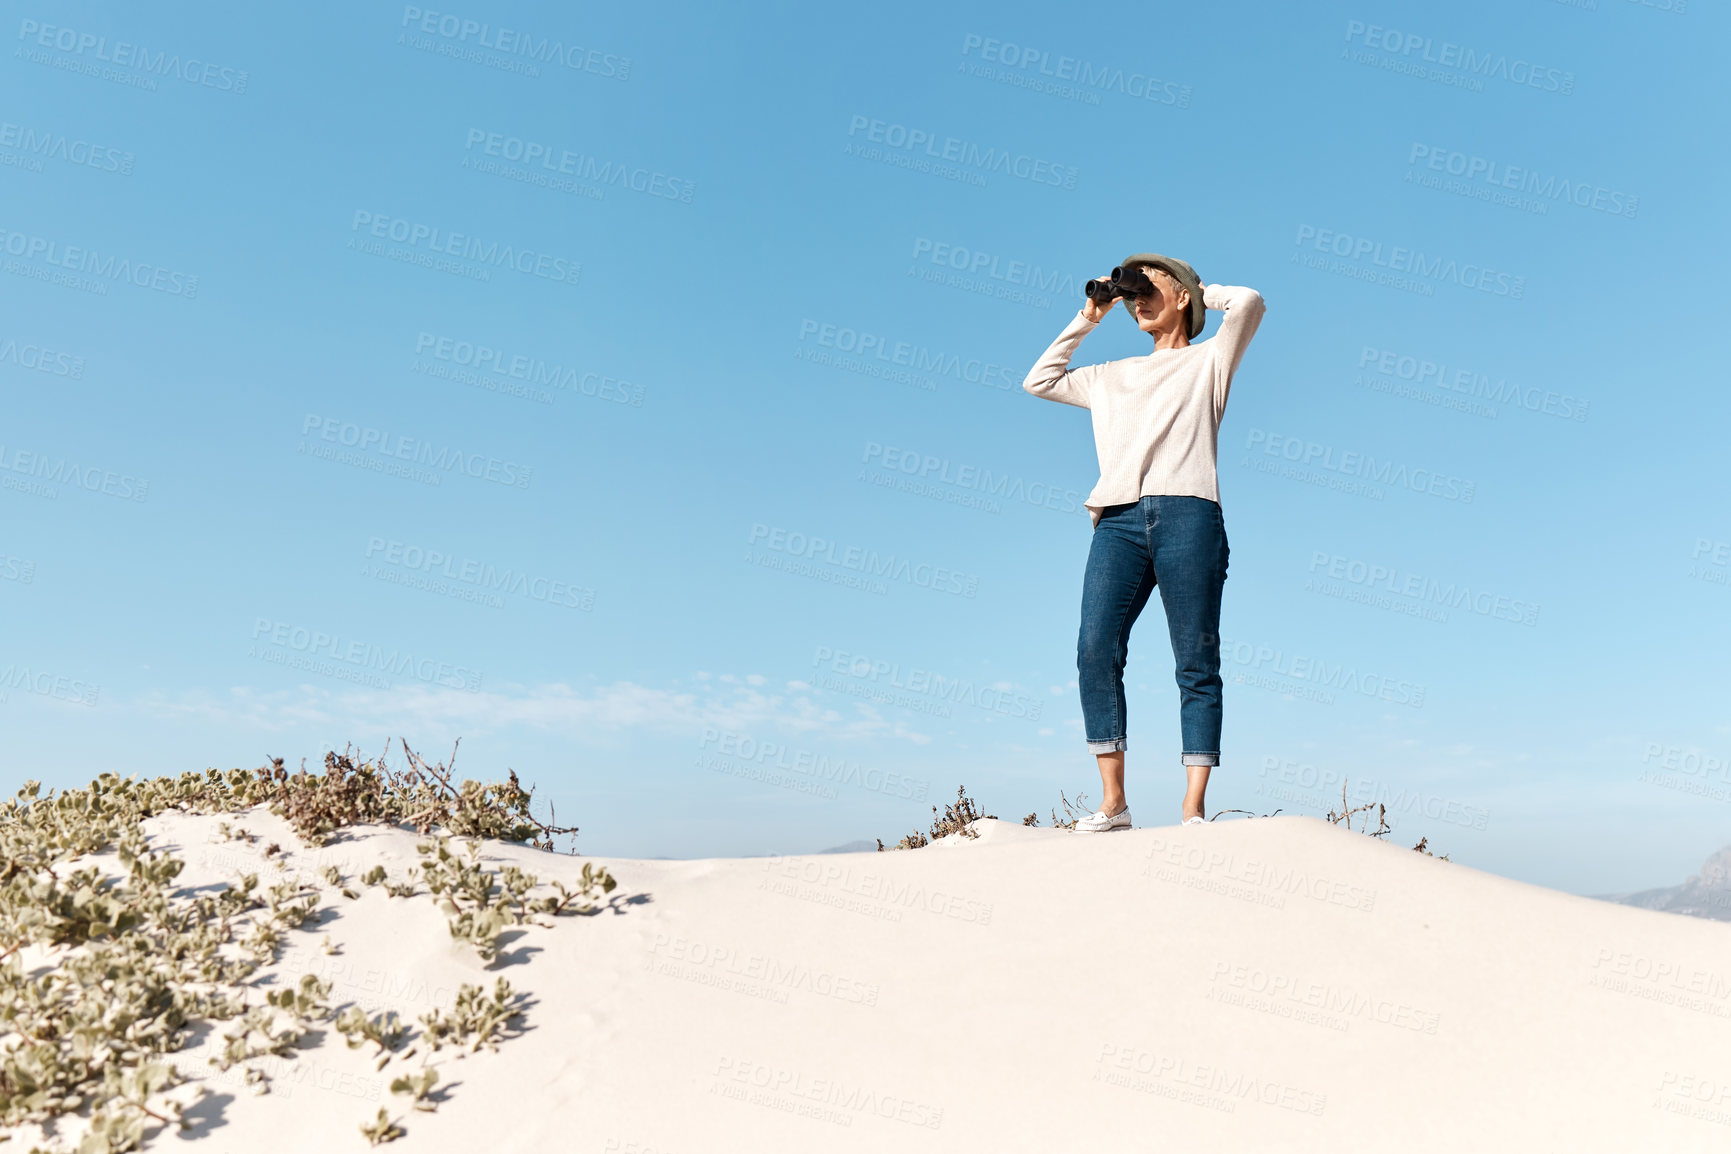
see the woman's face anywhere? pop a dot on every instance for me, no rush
(1163, 309)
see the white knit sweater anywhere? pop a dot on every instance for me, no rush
(1156, 418)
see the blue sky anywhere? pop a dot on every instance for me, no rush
(548, 379)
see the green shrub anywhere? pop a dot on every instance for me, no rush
(137, 963)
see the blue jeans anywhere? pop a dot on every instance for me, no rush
(1177, 544)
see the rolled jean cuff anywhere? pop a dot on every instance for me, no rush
(1116, 745)
(1202, 758)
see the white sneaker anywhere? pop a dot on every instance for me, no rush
(1102, 822)
(1192, 821)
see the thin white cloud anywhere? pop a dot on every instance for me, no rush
(726, 703)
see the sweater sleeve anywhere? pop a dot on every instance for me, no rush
(1051, 377)
(1244, 309)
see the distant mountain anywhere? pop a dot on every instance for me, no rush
(1706, 895)
(869, 845)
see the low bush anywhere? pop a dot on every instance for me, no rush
(134, 964)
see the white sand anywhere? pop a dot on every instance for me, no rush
(1275, 984)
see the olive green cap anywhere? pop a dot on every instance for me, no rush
(1184, 275)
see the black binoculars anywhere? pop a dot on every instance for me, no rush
(1125, 282)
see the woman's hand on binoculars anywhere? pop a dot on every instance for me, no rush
(1093, 309)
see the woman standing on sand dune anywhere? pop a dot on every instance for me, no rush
(1156, 509)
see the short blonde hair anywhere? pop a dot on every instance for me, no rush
(1171, 284)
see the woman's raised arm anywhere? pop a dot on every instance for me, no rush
(1243, 308)
(1052, 378)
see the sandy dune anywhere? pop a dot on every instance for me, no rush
(1275, 984)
